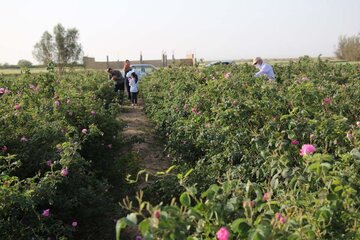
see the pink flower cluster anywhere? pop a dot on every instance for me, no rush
(223, 234)
(307, 149)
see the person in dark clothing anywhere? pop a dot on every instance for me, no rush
(127, 69)
(116, 76)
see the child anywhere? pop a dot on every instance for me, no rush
(134, 88)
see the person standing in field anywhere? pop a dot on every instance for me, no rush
(127, 69)
(264, 69)
(134, 88)
(116, 76)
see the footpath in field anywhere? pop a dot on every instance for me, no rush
(147, 148)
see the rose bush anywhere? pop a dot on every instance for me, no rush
(296, 142)
(55, 164)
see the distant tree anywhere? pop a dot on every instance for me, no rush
(44, 49)
(349, 48)
(63, 47)
(24, 63)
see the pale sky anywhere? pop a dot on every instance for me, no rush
(212, 29)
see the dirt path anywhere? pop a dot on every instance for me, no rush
(149, 150)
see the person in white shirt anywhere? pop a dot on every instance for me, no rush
(264, 69)
(134, 88)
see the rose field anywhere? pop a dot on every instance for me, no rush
(251, 159)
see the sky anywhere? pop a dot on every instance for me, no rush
(211, 29)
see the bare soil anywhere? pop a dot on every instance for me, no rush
(149, 150)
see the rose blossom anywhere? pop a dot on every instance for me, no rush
(17, 106)
(227, 75)
(307, 149)
(280, 218)
(267, 196)
(64, 172)
(46, 213)
(223, 234)
(49, 163)
(157, 214)
(84, 131)
(74, 224)
(326, 101)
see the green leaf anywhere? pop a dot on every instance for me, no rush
(314, 166)
(188, 172)
(240, 226)
(261, 232)
(144, 226)
(355, 153)
(185, 199)
(120, 224)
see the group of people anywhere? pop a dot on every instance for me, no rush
(131, 78)
(130, 81)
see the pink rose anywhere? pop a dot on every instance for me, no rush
(49, 163)
(307, 149)
(157, 214)
(267, 196)
(17, 106)
(326, 101)
(64, 172)
(280, 218)
(227, 75)
(46, 213)
(294, 142)
(84, 131)
(74, 224)
(223, 234)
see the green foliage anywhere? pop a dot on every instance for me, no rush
(59, 147)
(349, 48)
(62, 47)
(242, 137)
(24, 63)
